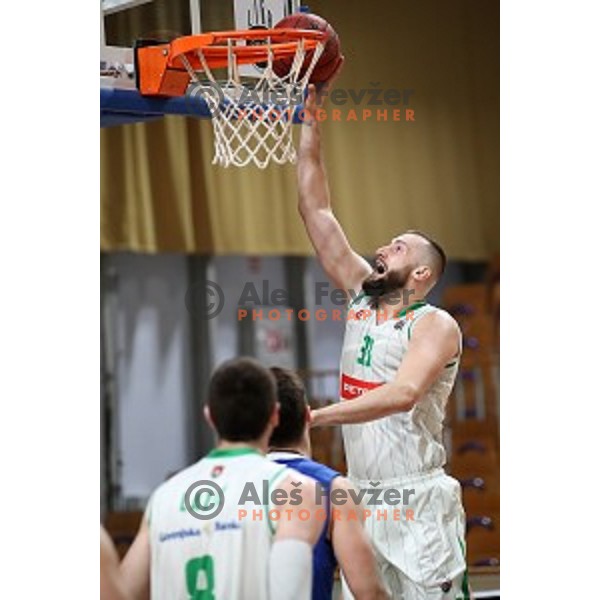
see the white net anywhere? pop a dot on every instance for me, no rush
(253, 118)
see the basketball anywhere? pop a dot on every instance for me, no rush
(330, 58)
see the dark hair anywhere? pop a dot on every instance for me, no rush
(291, 396)
(241, 398)
(437, 251)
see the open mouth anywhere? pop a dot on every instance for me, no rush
(380, 266)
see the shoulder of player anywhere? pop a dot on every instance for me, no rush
(294, 481)
(178, 480)
(341, 483)
(438, 321)
(346, 486)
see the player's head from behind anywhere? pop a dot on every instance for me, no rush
(411, 260)
(242, 402)
(294, 412)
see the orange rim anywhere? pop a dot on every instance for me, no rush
(161, 70)
(214, 46)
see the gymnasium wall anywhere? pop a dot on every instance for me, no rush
(440, 173)
(149, 336)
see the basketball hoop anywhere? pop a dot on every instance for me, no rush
(252, 117)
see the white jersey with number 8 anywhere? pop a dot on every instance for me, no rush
(222, 558)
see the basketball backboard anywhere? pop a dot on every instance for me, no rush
(119, 100)
(113, 6)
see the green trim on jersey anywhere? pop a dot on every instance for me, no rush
(415, 306)
(358, 298)
(232, 452)
(420, 304)
(466, 590)
(272, 527)
(148, 511)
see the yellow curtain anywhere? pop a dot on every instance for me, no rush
(440, 173)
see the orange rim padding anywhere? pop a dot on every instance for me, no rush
(161, 72)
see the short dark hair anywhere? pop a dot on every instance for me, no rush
(291, 396)
(241, 398)
(437, 252)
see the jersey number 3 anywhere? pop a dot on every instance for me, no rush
(366, 351)
(200, 573)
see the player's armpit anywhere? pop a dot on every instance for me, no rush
(352, 548)
(135, 568)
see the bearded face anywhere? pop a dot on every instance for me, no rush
(383, 281)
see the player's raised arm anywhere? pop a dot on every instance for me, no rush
(290, 563)
(435, 342)
(343, 265)
(353, 549)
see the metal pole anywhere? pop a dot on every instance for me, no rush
(195, 16)
(201, 437)
(111, 460)
(295, 267)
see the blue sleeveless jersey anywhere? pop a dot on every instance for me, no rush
(324, 561)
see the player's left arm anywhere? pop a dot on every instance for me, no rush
(135, 567)
(435, 341)
(290, 560)
(111, 584)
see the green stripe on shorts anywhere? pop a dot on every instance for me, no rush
(466, 594)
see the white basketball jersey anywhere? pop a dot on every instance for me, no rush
(403, 444)
(225, 557)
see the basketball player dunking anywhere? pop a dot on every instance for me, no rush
(399, 361)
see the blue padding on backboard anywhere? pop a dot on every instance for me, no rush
(119, 107)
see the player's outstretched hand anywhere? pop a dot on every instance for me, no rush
(310, 105)
(313, 99)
